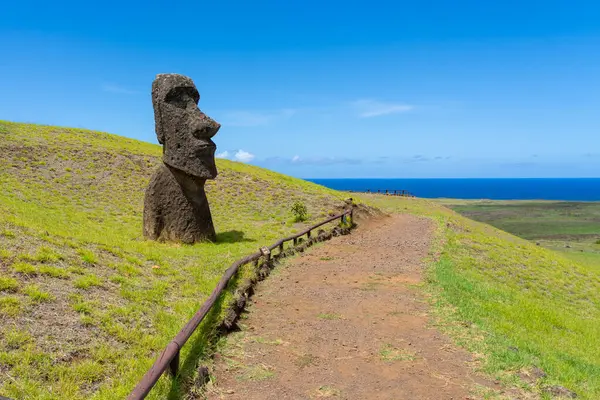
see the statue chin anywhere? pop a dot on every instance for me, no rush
(199, 168)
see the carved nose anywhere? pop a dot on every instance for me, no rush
(205, 127)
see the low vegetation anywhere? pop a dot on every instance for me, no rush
(300, 211)
(86, 303)
(516, 305)
(569, 227)
(71, 246)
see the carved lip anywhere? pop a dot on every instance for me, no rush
(205, 145)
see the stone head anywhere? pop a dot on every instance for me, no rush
(184, 131)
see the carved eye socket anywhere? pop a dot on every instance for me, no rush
(183, 97)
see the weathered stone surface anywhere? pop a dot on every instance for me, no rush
(176, 208)
(175, 205)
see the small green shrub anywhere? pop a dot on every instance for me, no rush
(85, 282)
(36, 294)
(86, 320)
(8, 234)
(82, 307)
(118, 279)
(300, 211)
(15, 338)
(88, 256)
(24, 268)
(76, 270)
(5, 254)
(10, 305)
(46, 254)
(598, 241)
(54, 272)
(126, 269)
(347, 222)
(8, 284)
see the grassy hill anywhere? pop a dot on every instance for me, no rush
(85, 302)
(572, 228)
(515, 305)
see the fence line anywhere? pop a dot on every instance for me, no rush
(387, 192)
(169, 358)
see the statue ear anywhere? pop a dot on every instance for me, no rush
(157, 113)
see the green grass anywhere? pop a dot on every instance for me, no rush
(515, 304)
(88, 281)
(571, 227)
(255, 373)
(87, 256)
(71, 245)
(10, 306)
(389, 353)
(36, 294)
(24, 268)
(329, 316)
(70, 223)
(8, 284)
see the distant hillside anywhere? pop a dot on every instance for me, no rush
(570, 227)
(85, 302)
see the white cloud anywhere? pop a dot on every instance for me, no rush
(297, 160)
(256, 118)
(244, 156)
(112, 88)
(224, 154)
(368, 108)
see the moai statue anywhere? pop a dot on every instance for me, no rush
(175, 205)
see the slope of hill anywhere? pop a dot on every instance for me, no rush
(521, 308)
(570, 227)
(85, 302)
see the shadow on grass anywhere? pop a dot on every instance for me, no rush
(232, 237)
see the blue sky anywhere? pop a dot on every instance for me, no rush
(328, 88)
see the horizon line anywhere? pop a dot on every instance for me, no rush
(524, 178)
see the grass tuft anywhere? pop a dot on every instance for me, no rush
(15, 339)
(389, 353)
(36, 294)
(24, 268)
(8, 284)
(330, 316)
(8, 234)
(10, 306)
(5, 254)
(87, 256)
(88, 281)
(52, 271)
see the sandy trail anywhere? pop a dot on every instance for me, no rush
(344, 320)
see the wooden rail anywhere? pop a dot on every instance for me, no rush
(387, 192)
(169, 358)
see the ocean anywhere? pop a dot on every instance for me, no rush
(570, 189)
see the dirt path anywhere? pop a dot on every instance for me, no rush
(343, 320)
